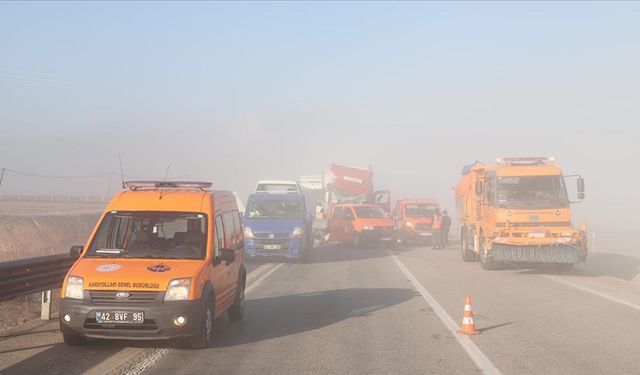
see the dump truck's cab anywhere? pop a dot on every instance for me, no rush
(518, 210)
(277, 225)
(414, 219)
(165, 260)
(359, 224)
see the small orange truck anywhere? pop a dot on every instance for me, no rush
(518, 211)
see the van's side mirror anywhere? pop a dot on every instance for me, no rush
(581, 186)
(226, 255)
(76, 251)
(478, 188)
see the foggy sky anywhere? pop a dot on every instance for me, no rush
(232, 93)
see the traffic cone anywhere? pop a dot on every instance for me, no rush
(468, 327)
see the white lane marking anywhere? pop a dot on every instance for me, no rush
(150, 357)
(259, 281)
(477, 356)
(591, 291)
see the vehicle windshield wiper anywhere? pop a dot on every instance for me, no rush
(157, 257)
(109, 251)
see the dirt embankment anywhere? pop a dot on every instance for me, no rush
(28, 230)
(24, 237)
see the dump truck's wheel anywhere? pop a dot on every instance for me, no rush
(467, 254)
(485, 260)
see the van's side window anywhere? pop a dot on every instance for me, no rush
(229, 234)
(219, 237)
(348, 214)
(237, 227)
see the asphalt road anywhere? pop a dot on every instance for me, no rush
(372, 311)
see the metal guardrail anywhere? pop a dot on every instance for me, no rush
(32, 275)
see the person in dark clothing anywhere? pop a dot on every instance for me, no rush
(435, 228)
(444, 229)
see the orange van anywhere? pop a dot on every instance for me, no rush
(164, 260)
(414, 218)
(359, 223)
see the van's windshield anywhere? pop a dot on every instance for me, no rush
(369, 212)
(276, 188)
(164, 235)
(274, 209)
(420, 210)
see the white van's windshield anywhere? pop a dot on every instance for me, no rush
(166, 235)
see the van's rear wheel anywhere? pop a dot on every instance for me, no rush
(73, 340)
(204, 338)
(236, 311)
(357, 241)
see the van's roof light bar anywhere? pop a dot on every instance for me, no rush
(155, 185)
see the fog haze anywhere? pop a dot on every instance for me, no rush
(232, 93)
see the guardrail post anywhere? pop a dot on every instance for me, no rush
(45, 310)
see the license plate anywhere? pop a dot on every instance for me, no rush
(385, 238)
(272, 247)
(536, 234)
(426, 234)
(117, 317)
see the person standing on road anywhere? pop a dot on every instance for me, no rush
(445, 224)
(435, 228)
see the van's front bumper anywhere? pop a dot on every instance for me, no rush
(158, 319)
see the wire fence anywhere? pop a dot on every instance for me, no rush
(53, 197)
(17, 185)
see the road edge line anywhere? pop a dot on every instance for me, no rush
(481, 361)
(592, 291)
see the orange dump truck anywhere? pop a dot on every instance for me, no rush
(518, 210)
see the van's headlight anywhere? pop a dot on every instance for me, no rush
(248, 233)
(178, 290)
(75, 287)
(297, 232)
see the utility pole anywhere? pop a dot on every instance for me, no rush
(2, 176)
(106, 197)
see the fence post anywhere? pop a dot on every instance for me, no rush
(45, 310)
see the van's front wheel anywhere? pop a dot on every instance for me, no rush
(204, 338)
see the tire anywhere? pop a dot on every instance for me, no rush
(204, 338)
(73, 340)
(467, 254)
(236, 311)
(485, 261)
(357, 241)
